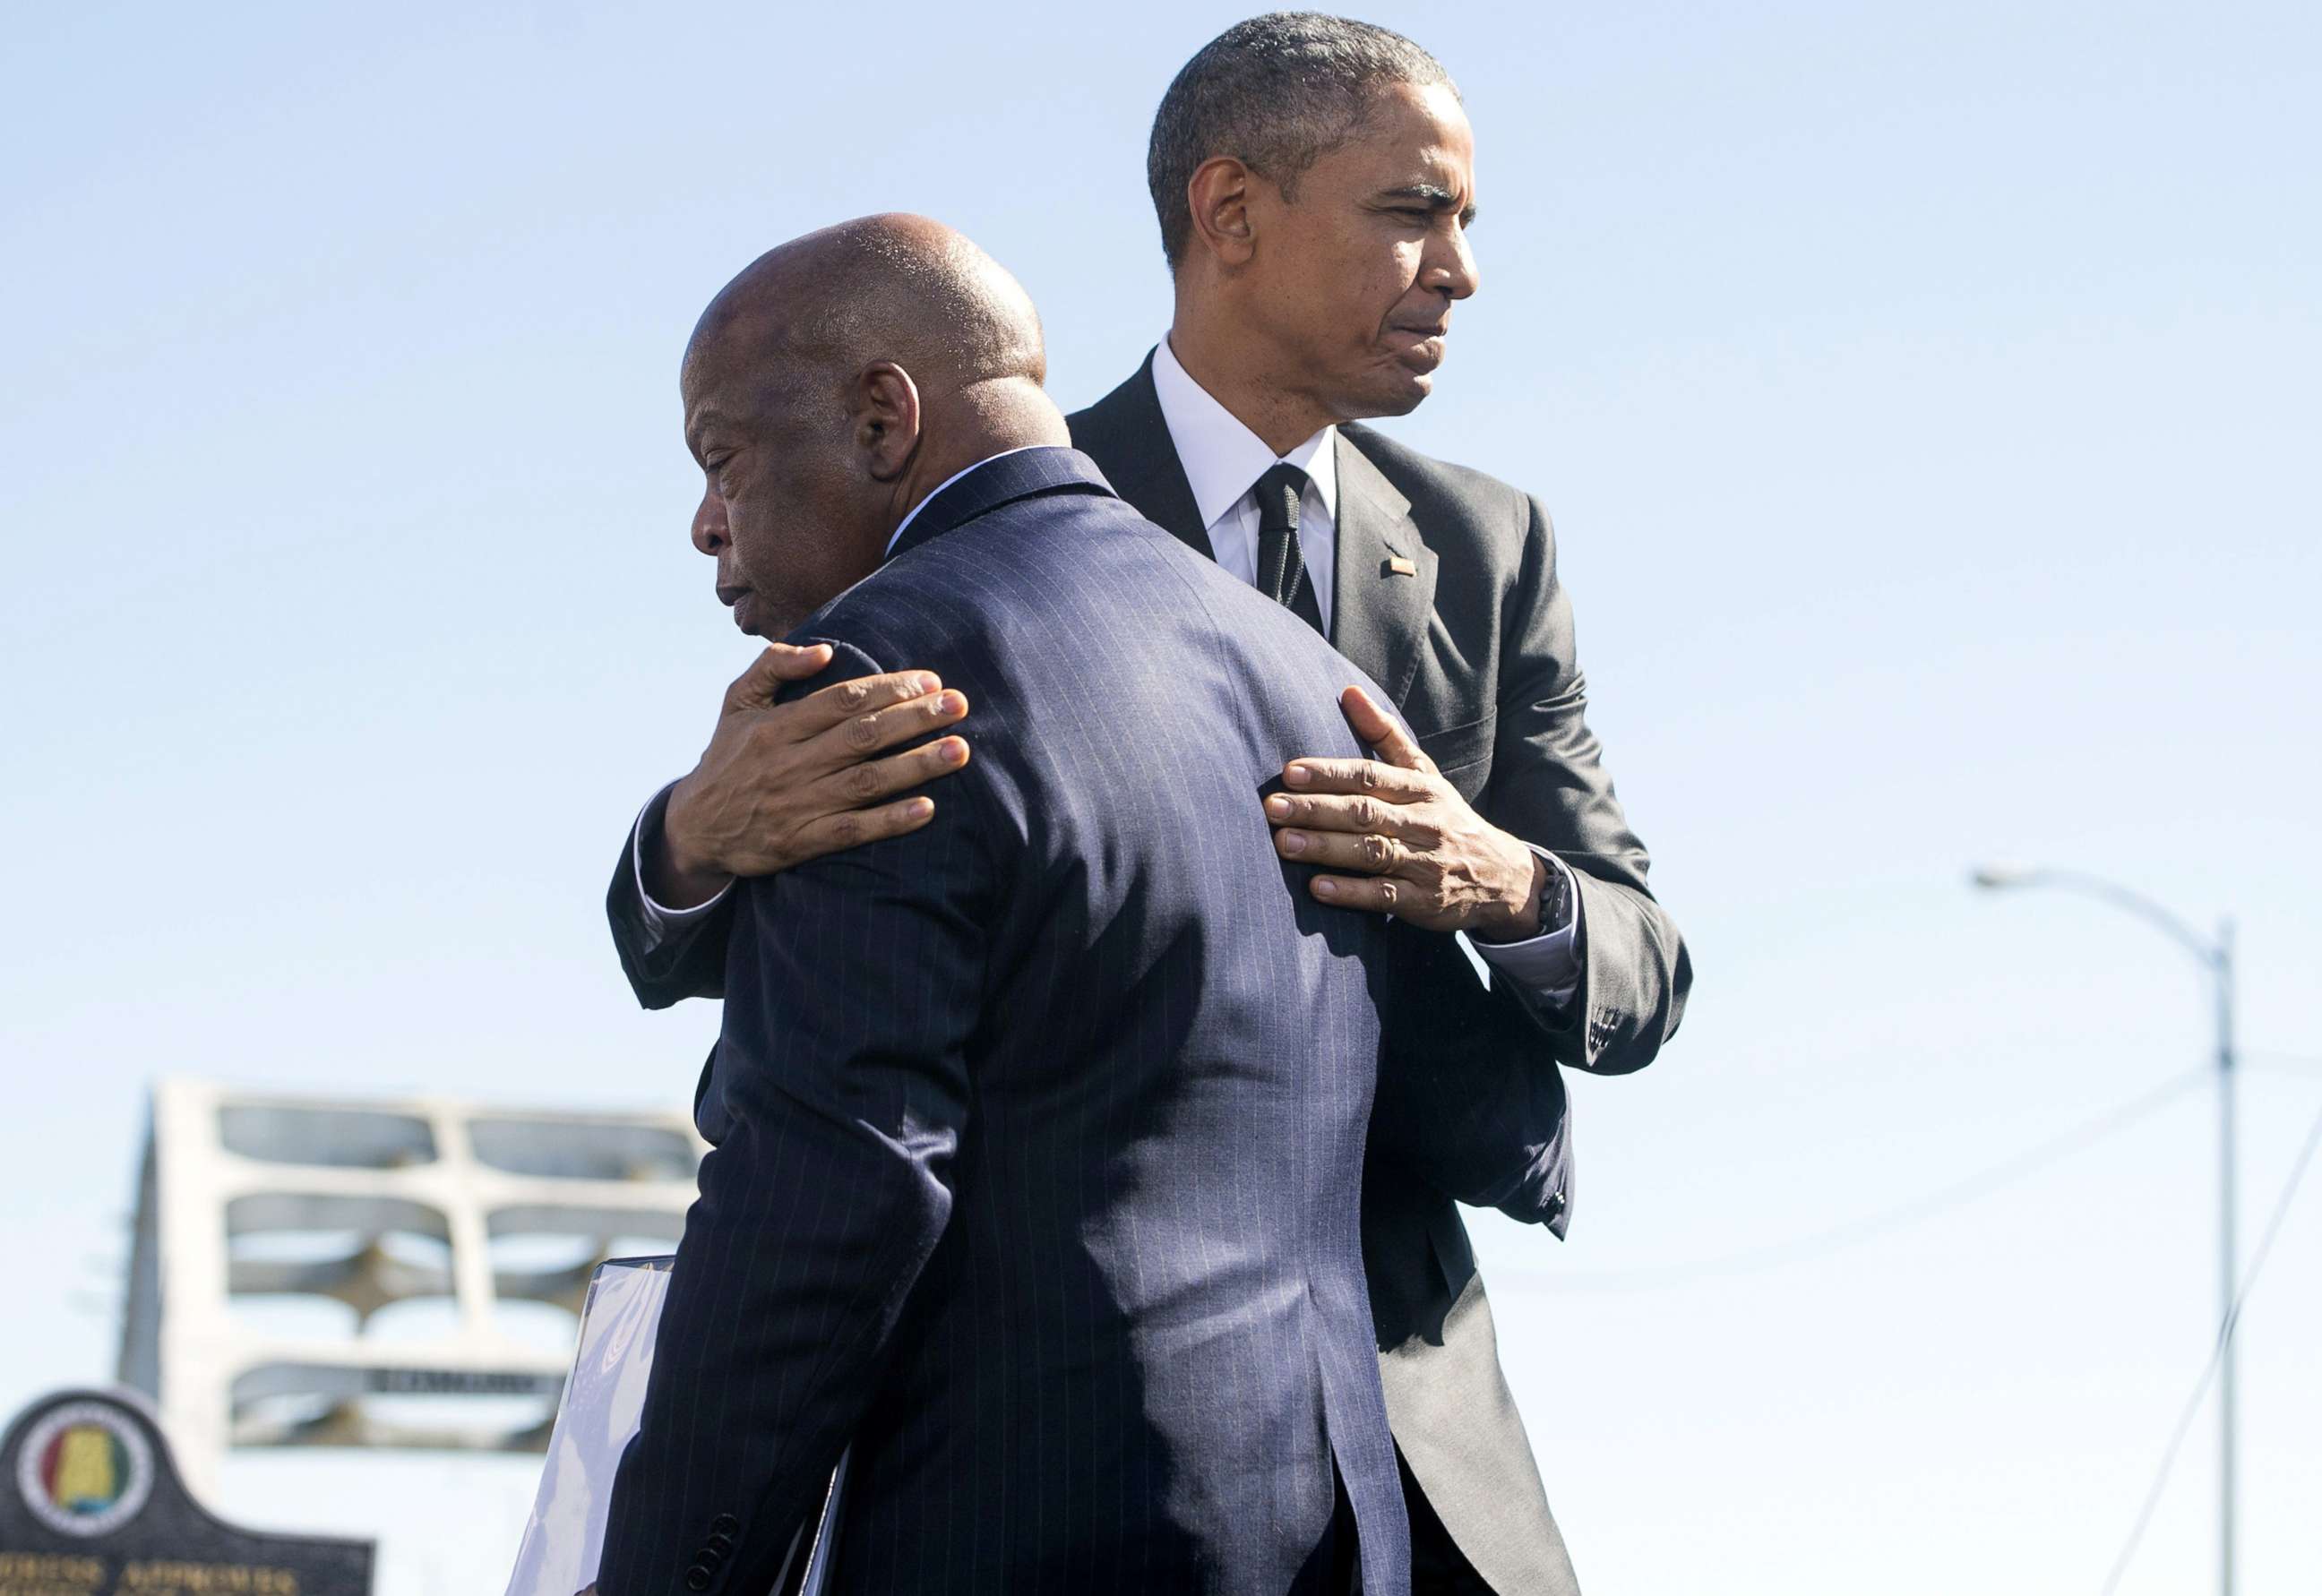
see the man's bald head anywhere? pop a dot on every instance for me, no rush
(833, 385)
(894, 287)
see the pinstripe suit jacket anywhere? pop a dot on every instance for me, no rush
(1475, 646)
(1038, 1132)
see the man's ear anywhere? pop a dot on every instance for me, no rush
(1219, 198)
(885, 403)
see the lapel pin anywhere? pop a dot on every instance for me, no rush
(1398, 566)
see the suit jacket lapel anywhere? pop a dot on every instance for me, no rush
(1125, 434)
(1385, 588)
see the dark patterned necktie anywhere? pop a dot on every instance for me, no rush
(1281, 565)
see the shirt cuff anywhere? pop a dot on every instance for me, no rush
(1547, 966)
(661, 922)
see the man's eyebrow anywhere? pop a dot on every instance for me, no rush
(694, 423)
(1435, 198)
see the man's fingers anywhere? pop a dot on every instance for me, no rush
(1335, 850)
(787, 661)
(876, 779)
(1358, 775)
(859, 736)
(1381, 894)
(1381, 732)
(819, 712)
(835, 833)
(756, 687)
(1343, 812)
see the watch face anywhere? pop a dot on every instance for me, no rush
(85, 1469)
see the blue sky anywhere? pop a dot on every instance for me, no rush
(1926, 398)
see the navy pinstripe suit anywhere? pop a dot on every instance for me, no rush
(1039, 1131)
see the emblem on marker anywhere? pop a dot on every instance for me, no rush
(85, 1469)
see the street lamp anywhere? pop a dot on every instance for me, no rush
(2217, 958)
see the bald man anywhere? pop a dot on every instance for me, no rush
(1037, 1127)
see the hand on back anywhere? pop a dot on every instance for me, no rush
(1414, 848)
(783, 783)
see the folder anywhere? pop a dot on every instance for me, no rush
(604, 1400)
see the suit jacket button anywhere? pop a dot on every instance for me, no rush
(697, 1578)
(725, 1524)
(720, 1542)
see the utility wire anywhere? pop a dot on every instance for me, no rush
(2217, 1356)
(2274, 1059)
(1956, 1194)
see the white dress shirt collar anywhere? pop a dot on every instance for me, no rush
(1223, 459)
(913, 514)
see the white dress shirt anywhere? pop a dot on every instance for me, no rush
(1223, 459)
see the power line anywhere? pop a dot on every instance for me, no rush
(2274, 1059)
(2217, 1356)
(1958, 1193)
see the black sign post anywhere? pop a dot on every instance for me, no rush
(91, 1505)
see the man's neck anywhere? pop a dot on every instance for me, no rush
(1232, 367)
(974, 430)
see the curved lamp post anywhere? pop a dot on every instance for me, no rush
(2216, 957)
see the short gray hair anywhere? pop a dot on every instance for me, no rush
(1277, 93)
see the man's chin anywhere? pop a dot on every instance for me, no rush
(756, 616)
(1398, 391)
(749, 611)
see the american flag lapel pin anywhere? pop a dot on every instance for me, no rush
(1398, 566)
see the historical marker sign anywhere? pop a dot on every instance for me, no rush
(91, 1505)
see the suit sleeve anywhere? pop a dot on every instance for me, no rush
(1466, 1100)
(1550, 786)
(853, 984)
(687, 961)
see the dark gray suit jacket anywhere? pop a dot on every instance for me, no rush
(1038, 1132)
(1476, 652)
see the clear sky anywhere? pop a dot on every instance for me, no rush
(1927, 399)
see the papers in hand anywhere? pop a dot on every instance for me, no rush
(604, 1400)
